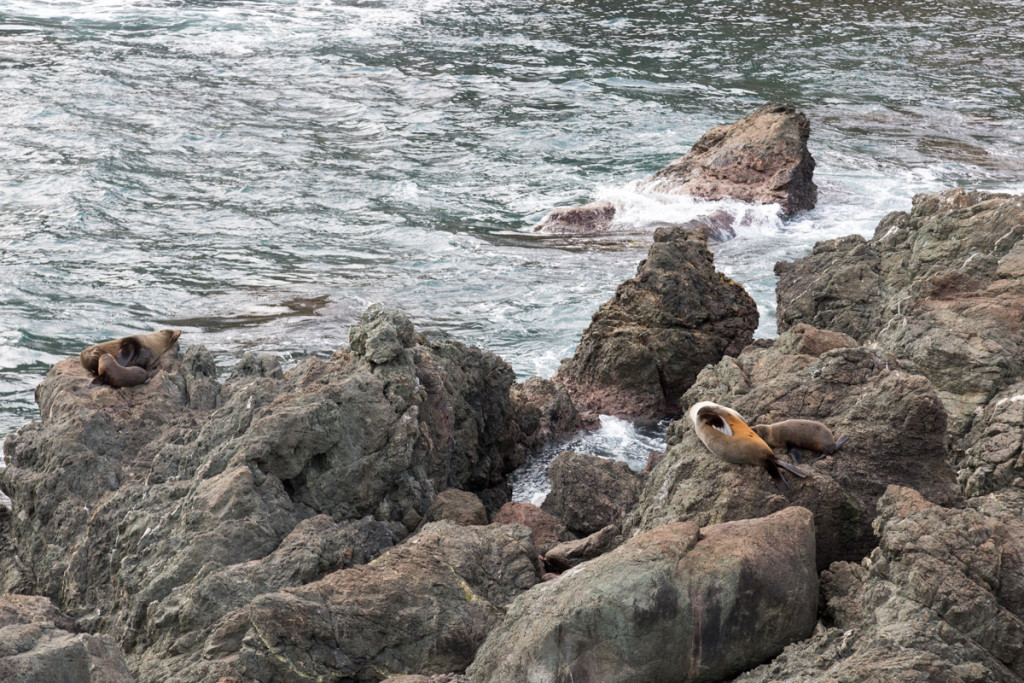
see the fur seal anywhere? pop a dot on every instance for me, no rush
(800, 435)
(139, 349)
(726, 435)
(118, 376)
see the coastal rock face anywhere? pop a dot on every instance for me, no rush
(646, 345)
(894, 420)
(588, 493)
(151, 512)
(941, 287)
(548, 531)
(38, 643)
(761, 159)
(724, 598)
(992, 458)
(941, 598)
(423, 607)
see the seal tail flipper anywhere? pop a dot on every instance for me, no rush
(776, 475)
(792, 468)
(796, 454)
(837, 445)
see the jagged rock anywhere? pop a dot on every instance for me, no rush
(544, 412)
(134, 509)
(548, 531)
(993, 451)
(461, 507)
(941, 287)
(588, 493)
(895, 423)
(762, 159)
(940, 599)
(571, 553)
(676, 603)
(38, 643)
(646, 345)
(424, 606)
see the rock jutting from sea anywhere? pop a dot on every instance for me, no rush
(760, 159)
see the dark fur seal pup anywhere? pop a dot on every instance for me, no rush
(139, 349)
(726, 435)
(118, 376)
(801, 435)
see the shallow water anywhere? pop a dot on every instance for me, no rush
(258, 173)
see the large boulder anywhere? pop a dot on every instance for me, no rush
(588, 493)
(38, 643)
(894, 420)
(761, 159)
(941, 287)
(148, 513)
(940, 599)
(646, 345)
(423, 607)
(546, 529)
(676, 603)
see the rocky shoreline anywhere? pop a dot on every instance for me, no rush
(350, 519)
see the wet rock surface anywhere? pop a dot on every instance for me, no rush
(646, 345)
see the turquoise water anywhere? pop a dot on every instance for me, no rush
(257, 173)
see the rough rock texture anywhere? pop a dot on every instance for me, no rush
(894, 419)
(992, 458)
(148, 513)
(673, 604)
(940, 599)
(38, 643)
(941, 287)
(548, 531)
(762, 159)
(543, 412)
(588, 493)
(461, 507)
(423, 607)
(571, 553)
(646, 345)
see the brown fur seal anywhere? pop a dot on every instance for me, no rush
(726, 435)
(118, 376)
(800, 435)
(139, 349)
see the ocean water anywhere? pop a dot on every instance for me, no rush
(257, 173)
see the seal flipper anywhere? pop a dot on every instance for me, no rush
(128, 351)
(837, 445)
(796, 454)
(776, 475)
(795, 470)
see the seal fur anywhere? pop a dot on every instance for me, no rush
(140, 350)
(724, 433)
(800, 435)
(113, 374)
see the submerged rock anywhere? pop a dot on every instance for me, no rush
(676, 603)
(646, 345)
(941, 287)
(894, 420)
(761, 159)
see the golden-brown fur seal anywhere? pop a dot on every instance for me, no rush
(726, 435)
(139, 349)
(800, 435)
(111, 373)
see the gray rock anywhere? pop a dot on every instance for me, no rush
(992, 458)
(461, 507)
(38, 643)
(894, 420)
(673, 604)
(547, 530)
(940, 599)
(571, 553)
(939, 287)
(588, 493)
(646, 345)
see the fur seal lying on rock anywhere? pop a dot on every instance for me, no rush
(800, 435)
(139, 349)
(111, 373)
(726, 435)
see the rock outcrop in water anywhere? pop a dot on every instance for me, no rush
(646, 345)
(761, 159)
(281, 526)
